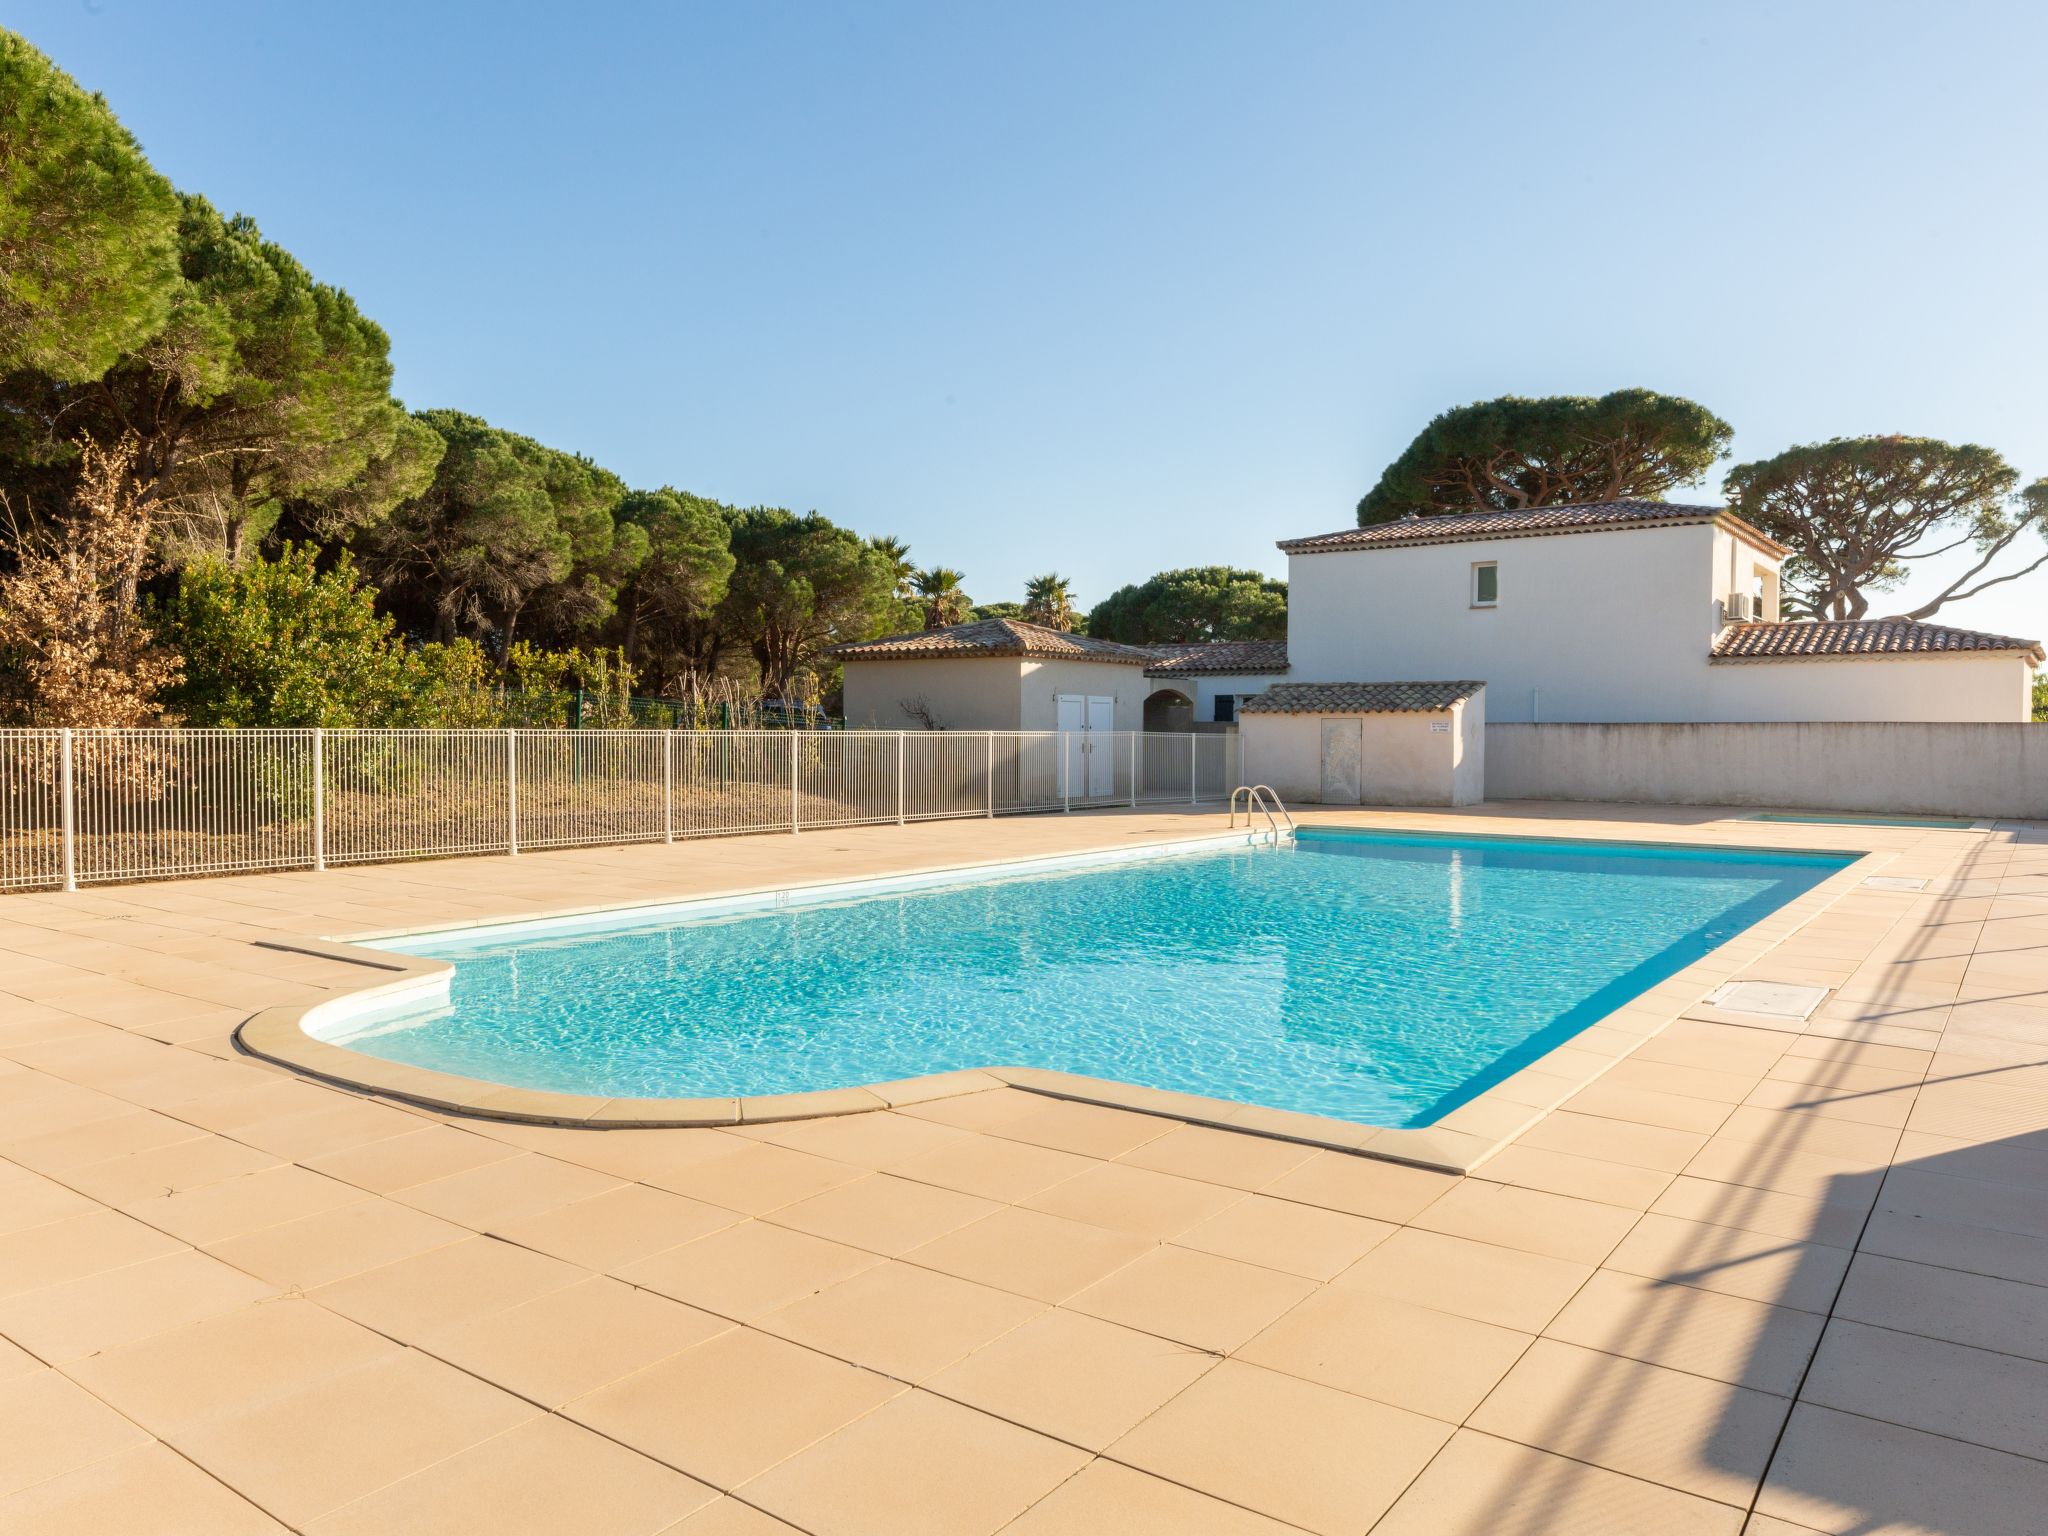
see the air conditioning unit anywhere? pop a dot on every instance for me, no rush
(1740, 608)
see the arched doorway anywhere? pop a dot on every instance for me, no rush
(1169, 710)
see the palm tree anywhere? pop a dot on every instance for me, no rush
(897, 553)
(1049, 600)
(938, 590)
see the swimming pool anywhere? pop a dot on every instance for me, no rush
(1374, 977)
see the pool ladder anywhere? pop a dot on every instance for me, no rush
(1261, 798)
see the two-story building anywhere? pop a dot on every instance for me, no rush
(1621, 611)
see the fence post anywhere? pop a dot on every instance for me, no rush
(900, 737)
(1193, 797)
(668, 786)
(1134, 770)
(512, 792)
(796, 823)
(1066, 772)
(67, 819)
(319, 802)
(991, 773)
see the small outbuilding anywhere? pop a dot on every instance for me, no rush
(994, 675)
(1367, 743)
(1200, 687)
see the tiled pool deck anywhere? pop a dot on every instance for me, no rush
(1773, 1279)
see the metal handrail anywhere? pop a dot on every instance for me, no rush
(1260, 797)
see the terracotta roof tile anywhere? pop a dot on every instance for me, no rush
(994, 637)
(1357, 698)
(1218, 656)
(1459, 527)
(1857, 637)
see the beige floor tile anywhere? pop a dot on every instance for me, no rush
(729, 1517)
(991, 1167)
(1362, 1186)
(643, 1155)
(2001, 1207)
(541, 1478)
(884, 1214)
(1076, 1378)
(217, 1212)
(757, 1177)
(749, 1269)
(1842, 1472)
(1684, 1328)
(1580, 1178)
(1306, 1240)
(333, 1127)
(118, 1306)
(574, 1340)
(901, 1320)
(228, 1363)
(49, 1426)
(1979, 1250)
(1947, 1389)
(1529, 1220)
(876, 1140)
(920, 1466)
(1134, 1200)
(30, 1200)
(1940, 1303)
(732, 1407)
(162, 1171)
(1047, 1258)
(1737, 1263)
(398, 1162)
(1760, 1210)
(1479, 1280)
(491, 1196)
(622, 1225)
(310, 1452)
(1104, 1497)
(1613, 1141)
(1193, 1298)
(1853, 1143)
(1687, 1432)
(150, 1488)
(1092, 1130)
(75, 1146)
(1481, 1486)
(76, 1247)
(1809, 1176)
(1428, 1362)
(1646, 1106)
(332, 1245)
(1692, 1082)
(1302, 1453)
(1219, 1157)
(444, 1287)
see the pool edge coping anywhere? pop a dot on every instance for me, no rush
(1459, 1142)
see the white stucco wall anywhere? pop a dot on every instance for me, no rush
(1203, 688)
(1610, 626)
(1408, 759)
(1923, 688)
(1972, 769)
(963, 693)
(1044, 681)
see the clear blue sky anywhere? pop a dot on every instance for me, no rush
(1114, 287)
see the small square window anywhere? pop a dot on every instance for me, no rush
(1485, 584)
(1226, 708)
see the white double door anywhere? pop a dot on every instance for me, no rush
(1087, 761)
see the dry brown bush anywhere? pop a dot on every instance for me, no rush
(68, 610)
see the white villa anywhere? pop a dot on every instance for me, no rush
(1406, 638)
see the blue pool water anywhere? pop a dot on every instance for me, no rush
(1379, 978)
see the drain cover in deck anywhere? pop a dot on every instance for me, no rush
(1774, 999)
(1895, 883)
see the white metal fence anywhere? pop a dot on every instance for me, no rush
(97, 806)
